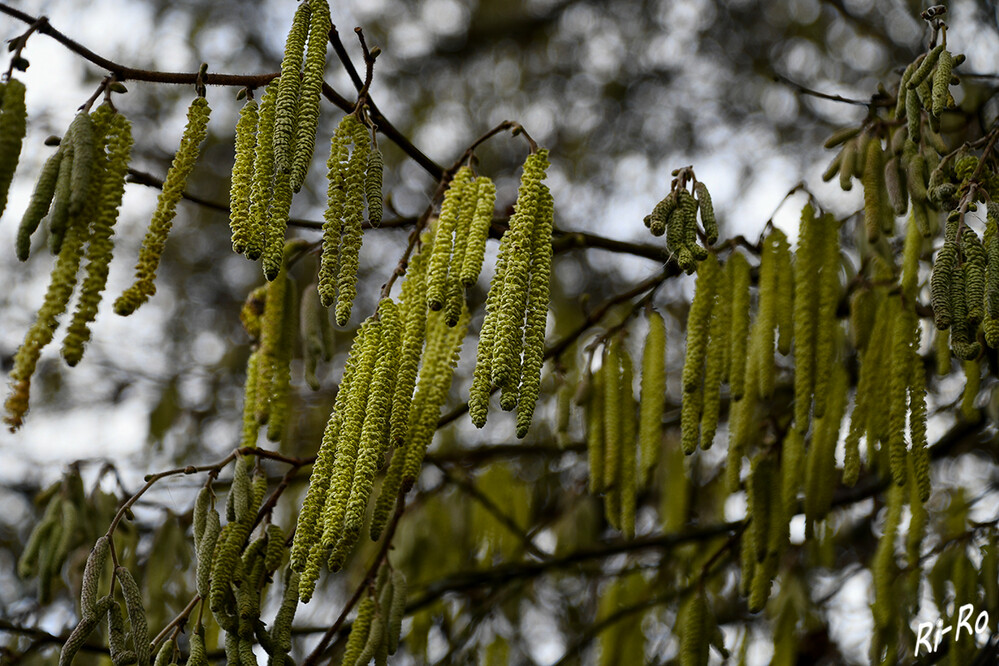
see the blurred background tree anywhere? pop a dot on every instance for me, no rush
(620, 93)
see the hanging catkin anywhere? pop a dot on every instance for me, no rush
(709, 279)
(807, 264)
(739, 274)
(459, 190)
(41, 200)
(262, 185)
(109, 191)
(595, 430)
(286, 118)
(826, 323)
(310, 92)
(242, 177)
(613, 422)
(653, 393)
(166, 208)
(13, 126)
(479, 231)
(716, 361)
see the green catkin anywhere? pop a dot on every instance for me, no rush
(820, 463)
(478, 395)
(166, 208)
(277, 226)
(315, 334)
(232, 656)
(359, 632)
(693, 630)
(471, 264)
(13, 126)
(901, 363)
(627, 481)
(537, 312)
(353, 217)
(413, 318)
(116, 636)
(41, 199)
(454, 292)
(883, 565)
(84, 161)
(397, 608)
(373, 185)
(832, 170)
(613, 423)
(205, 551)
(262, 185)
(792, 456)
(913, 114)
(707, 213)
(59, 218)
(895, 186)
(652, 396)
(826, 324)
(289, 89)
(270, 351)
(198, 655)
(336, 193)
(903, 86)
(388, 493)
(738, 269)
(77, 638)
(63, 281)
(699, 320)
(808, 259)
(376, 636)
(910, 262)
(443, 347)
(658, 219)
(917, 423)
(251, 396)
(849, 158)
(766, 319)
(136, 615)
(242, 177)
(92, 575)
(873, 181)
(975, 265)
(309, 530)
(840, 136)
(515, 285)
(671, 215)
(311, 92)
(941, 82)
(962, 335)
(785, 291)
(760, 494)
(991, 277)
(165, 653)
(944, 269)
(279, 410)
(367, 344)
(714, 368)
(595, 431)
(27, 564)
(101, 246)
(973, 380)
(374, 434)
(925, 67)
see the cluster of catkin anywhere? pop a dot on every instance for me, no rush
(355, 177)
(676, 216)
(395, 380)
(131, 647)
(232, 570)
(511, 344)
(378, 624)
(275, 141)
(80, 190)
(621, 454)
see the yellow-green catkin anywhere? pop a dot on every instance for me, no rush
(595, 430)
(694, 637)
(471, 264)
(272, 325)
(336, 196)
(707, 213)
(41, 200)
(59, 217)
(613, 422)
(262, 185)
(454, 291)
(808, 261)
(901, 371)
(883, 565)
(785, 291)
(374, 432)
(413, 316)
(537, 312)
(791, 458)
(166, 208)
(367, 343)
(820, 463)
(766, 319)
(373, 185)
(698, 330)
(440, 359)
(306, 548)
(516, 280)
(826, 324)
(441, 260)
(279, 410)
(109, 194)
(136, 614)
(242, 176)
(478, 394)
(317, 341)
(941, 82)
(917, 422)
(289, 88)
(972, 384)
(873, 180)
(311, 91)
(975, 262)
(13, 126)
(85, 169)
(277, 226)
(716, 361)
(62, 283)
(738, 273)
(652, 397)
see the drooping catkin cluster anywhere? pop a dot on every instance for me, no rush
(93, 155)
(378, 624)
(271, 318)
(166, 209)
(459, 241)
(352, 175)
(13, 126)
(676, 217)
(511, 344)
(300, 90)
